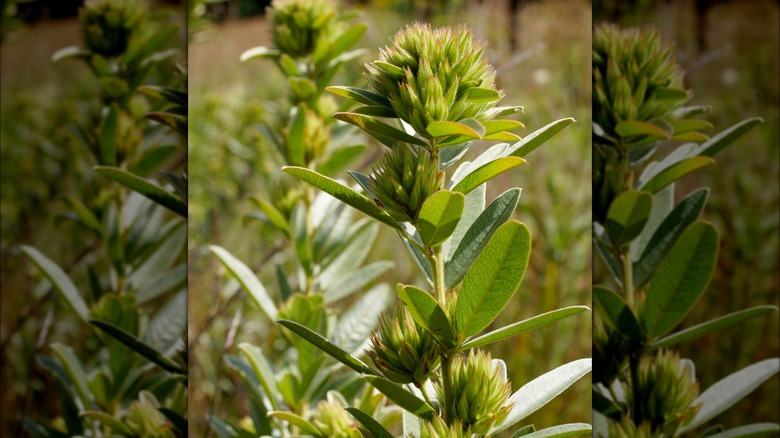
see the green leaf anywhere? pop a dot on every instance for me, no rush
(537, 138)
(109, 420)
(524, 431)
(295, 146)
(380, 131)
(561, 431)
(482, 95)
(538, 392)
(359, 95)
(522, 326)
(263, 371)
(473, 207)
(673, 172)
(340, 159)
(288, 65)
(726, 137)
(60, 280)
(296, 420)
(376, 111)
(605, 406)
(300, 237)
(361, 239)
(373, 426)
(667, 233)
(712, 325)
(633, 128)
(695, 137)
(627, 216)
(500, 125)
(493, 278)
(108, 137)
(144, 187)
(168, 324)
(75, 372)
(222, 429)
(347, 39)
(355, 281)
(325, 345)
(681, 278)
(666, 93)
(616, 314)
(275, 217)
(427, 312)
(447, 128)
(486, 172)
(247, 279)
(439, 216)
(357, 323)
(403, 398)
(749, 431)
(178, 420)
(503, 136)
(342, 193)
(728, 391)
(70, 52)
(167, 94)
(260, 52)
(84, 214)
(139, 347)
(688, 125)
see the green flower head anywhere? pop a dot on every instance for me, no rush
(107, 25)
(403, 180)
(635, 77)
(480, 391)
(402, 350)
(437, 428)
(332, 419)
(430, 75)
(297, 25)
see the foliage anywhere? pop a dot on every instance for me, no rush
(660, 255)
(122, 369)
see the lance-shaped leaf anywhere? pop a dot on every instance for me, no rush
(403, 398)
(380, 131)
(108, 137)
(325, 345)
(482, 95)
(681, 278)
(178, 420)
(247, 279)
(616, 314)
(627, 216)
(538, 392)
(144, 187)
(537, 138)
(86, 215)
(296, 420)
(326, 52)
(666, 235)
(688, 125)
(60, 280)
(74, 371)
(672, 173)
(561, 431)
(275, 217)
(499, 125)
(139, 347)
(606, 406)
(427, 312)
(493, 278)
(263, 371)
(359, 95)
(355, 281)
(342, 193)
(478, 234)
(439, 216)
(522, 326)
(371, 425)
(446, 128)
(486, 173)
(108, 420)
(633, 128)
(726, 137)
(295, 147)
(728, 391)
(712, 325)
(749, 431)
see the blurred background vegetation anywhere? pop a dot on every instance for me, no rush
(542, 52)
(43, 162)
(730, 53)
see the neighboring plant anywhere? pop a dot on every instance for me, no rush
(292, 388)
(129, 377)
(438, 85)
(659, 254)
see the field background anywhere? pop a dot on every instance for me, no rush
(729, 51)
(548, 73)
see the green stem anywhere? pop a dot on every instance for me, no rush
(628, 278)
(437, 264)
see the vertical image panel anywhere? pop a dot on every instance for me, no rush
(389, 230)
(685, 186)
(94, 218)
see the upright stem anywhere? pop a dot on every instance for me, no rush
(628, 278)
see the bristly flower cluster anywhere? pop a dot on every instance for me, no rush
(428, 74)
(108, 25)
(298, 25)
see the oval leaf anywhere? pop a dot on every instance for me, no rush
(439, 216)
(493, 278)
(486, 172)
(633, 128)
(380, 131)
(674, 172)
(537, 138)
(482, 95)
(446, 128)
(427, 312)
(627, 216)
(681, 278)
(616, 314)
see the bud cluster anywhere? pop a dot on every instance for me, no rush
(437, 428)
(634, 77)
(427, 75)
(332, 419)
(108, 25)
(480, 392)
(403, 180)
(298, 25)
(402, 350)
